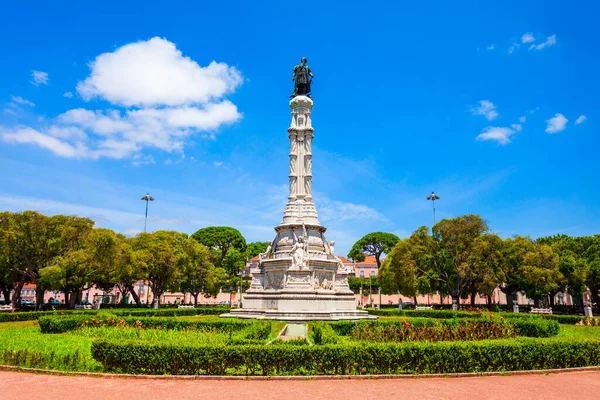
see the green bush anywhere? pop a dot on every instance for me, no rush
(354, 359)
(448, 314)
(50, 324)
(175, 312)
(536, 327)
(33, 315)
(323, 333)
(432, 330)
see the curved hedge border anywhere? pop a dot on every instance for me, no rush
(329, 332)
(50, 324)
(33, 315)
(445, 314)
(347, 359)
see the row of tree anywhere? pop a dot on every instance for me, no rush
(68, 254)
(460, 257)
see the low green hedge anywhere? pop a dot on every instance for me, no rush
(446, 314)
(173, 312)
(432, 330)
(536, 327)
(382, 358)
(52, 324)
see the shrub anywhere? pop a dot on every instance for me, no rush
(353, 359)
(536, 327)
(432, 330)
(50, 324)
(175, 312)
(323, 333)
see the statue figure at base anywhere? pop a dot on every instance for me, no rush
(299, 253)
(302, 78)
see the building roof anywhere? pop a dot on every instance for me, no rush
(369, 261)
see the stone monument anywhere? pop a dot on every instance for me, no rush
(299, 277)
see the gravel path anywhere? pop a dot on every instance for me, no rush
(573, 385)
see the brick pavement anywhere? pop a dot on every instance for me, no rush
(573, 385)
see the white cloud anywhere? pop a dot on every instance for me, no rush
(522, 119)
(39, 78)
(556, 124)
(31, 136)
(491, 47)
(550, 41)
(154, 72)
(68, 95)
(330, 210)
(20, 100)
(141, 160)
(487, 109)
(581, 119)
(527, 38)
(499, 134)
(67, 132)
(218, 163)
(513, 47)
(169, 98)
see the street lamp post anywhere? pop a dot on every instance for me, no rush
(147, 198)
(433, 197)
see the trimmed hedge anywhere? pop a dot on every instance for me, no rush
(175, 312)
(432, 330)
(446, 314)
(33, 315)
(389, 358)
(535, 327)
(50, 324)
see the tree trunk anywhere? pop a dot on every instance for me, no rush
(415, 300)
(6, 293)
(136, 297)
(17, 295)
(595, 299)
(473, 295)
(75, 298)
(195, 298)
(510, 299)
(67, 297)
(551, 298)
(39, 297)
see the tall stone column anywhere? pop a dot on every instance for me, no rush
(300, 208)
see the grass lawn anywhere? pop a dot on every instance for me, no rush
(22, 343)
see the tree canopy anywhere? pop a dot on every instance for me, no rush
(222, 240)
(375, 244)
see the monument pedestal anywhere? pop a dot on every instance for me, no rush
(299, 277)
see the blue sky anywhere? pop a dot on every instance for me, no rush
(494, 107)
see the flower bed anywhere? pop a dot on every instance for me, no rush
(446, 314)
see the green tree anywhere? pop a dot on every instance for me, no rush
(530, 267)
(255, 248)
(125, 271)
(399, 272)
(572, 264)
(486, 265)
(160, 256)
(87, 262)
(34, 240)
(592, 257)
(375, 244)
(221, 239)
(196, 268)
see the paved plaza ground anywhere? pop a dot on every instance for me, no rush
(574, 385)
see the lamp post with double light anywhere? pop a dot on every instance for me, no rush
(147, 198)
